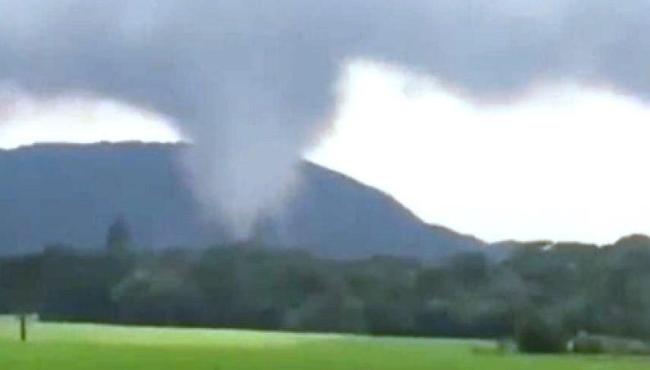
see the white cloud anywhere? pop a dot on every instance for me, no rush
(565, 162)
(26, 120)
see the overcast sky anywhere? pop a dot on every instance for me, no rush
(565, 162)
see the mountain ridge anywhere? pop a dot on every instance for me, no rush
(69, 193)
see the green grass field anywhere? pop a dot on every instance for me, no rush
(100, 347)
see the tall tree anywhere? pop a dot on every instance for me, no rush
(118, 237)
(21, 284)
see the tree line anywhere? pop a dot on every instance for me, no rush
(541, 293)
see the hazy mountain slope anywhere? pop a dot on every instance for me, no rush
(70, 193)
(342, 217)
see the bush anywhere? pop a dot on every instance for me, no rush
(596, 344)
(539, 335)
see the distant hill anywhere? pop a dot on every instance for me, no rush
(71, 193)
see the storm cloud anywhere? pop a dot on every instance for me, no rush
(253, 83)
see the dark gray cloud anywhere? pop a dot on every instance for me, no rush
(252, 82)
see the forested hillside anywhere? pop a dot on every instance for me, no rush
(542, 294)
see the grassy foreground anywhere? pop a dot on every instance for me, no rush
(101, 347)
